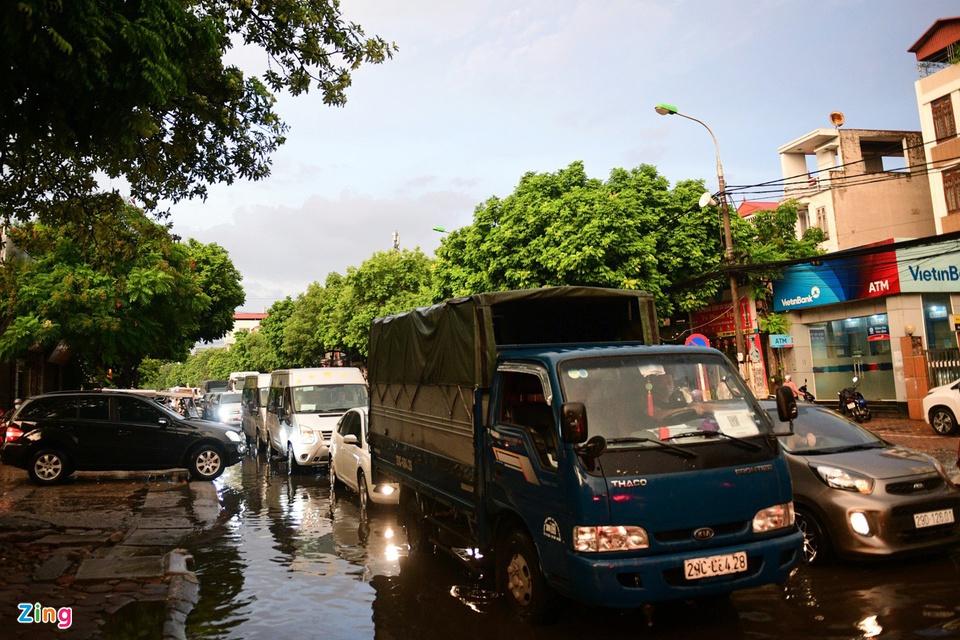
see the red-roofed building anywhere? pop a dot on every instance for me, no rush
(749, 207)
(243, 321)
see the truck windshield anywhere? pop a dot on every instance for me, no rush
(328, 398)
(639, 401)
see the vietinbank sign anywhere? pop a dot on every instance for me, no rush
(930, 268)
(925, 268)
(837, 280)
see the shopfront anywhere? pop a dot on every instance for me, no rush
(848, 313)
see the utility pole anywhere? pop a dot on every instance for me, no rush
(670, 110)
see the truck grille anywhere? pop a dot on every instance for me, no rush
(686, 535)
(915, 486)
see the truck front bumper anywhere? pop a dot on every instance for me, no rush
(628, 582)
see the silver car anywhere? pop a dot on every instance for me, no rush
(858, 495)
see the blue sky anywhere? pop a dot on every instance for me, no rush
(482, 92)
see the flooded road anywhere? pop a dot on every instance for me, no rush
(290, 560)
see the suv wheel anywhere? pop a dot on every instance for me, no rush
(206, 462)
(48, 466)
(943, 421)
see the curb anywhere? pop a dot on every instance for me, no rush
(182, 594)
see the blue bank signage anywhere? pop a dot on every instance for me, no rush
(780, 341)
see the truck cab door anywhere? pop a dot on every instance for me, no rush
(525, 443)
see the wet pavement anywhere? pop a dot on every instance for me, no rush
(281, 556)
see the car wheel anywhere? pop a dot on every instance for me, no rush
(206, 462)
(48, 466)
(363, 491)
(815, 544)
(291, 460)
(521, 579)
(414, 522)
(943, 421)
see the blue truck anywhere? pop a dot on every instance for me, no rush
(545, 436)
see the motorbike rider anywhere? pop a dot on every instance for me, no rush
(790, 384)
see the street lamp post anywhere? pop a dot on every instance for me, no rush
(671, 110)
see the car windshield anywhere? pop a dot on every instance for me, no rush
(230, 398)
(820, 431)
(644, 401)
(328, 398)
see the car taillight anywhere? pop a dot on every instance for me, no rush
(11, 433)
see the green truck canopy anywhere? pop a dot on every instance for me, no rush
(455, 342)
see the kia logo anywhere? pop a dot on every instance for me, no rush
(704, 533)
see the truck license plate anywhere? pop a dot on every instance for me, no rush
(933, 518)
(715, 565)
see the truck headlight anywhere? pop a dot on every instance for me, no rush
(616, 538)
(776, 517)
(308, 436)
(843, 479)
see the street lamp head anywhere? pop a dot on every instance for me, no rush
(665, 109)
(440, 230)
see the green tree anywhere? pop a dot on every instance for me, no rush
(253, 352)
(114, 288)
(272, 327)
(219, 283)
(565, 228)
(140, 90)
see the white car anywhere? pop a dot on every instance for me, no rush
(350, 461)
(941, 406)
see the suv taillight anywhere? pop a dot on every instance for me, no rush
(11, 433)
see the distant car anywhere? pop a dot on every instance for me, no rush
(941, 406)
(229, 408)
(858, 495)
(55, 434)
(350, 461)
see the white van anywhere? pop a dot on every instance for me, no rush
(236, 380)
(304, 406)
(255, 391)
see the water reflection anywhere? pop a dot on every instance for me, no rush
(290, 558)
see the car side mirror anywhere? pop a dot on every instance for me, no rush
(787, 410)
(573, 428)
(350, 439)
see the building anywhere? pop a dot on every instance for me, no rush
(748, 208)
(885, 274)
(938, 101)
(243, 321)
(859, 186)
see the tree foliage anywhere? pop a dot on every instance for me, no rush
(114, 288)
(631, 231)
(139, 90)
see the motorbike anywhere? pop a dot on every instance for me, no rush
(804, 393)
(852, 403)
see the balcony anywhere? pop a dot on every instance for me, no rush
(945, 153)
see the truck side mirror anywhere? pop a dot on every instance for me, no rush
(574, 422)
(786, 405)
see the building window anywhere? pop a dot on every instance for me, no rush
(951, 190)
(936, 317)
(822, 222)
(944, 124)
(803, 219)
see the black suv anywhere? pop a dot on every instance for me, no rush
(55, 434)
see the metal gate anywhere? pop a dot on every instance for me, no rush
(943, 366)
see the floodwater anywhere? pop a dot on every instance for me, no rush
(291, 560)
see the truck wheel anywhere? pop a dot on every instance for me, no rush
(48, 466)
(521, 580)
(412, 519)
